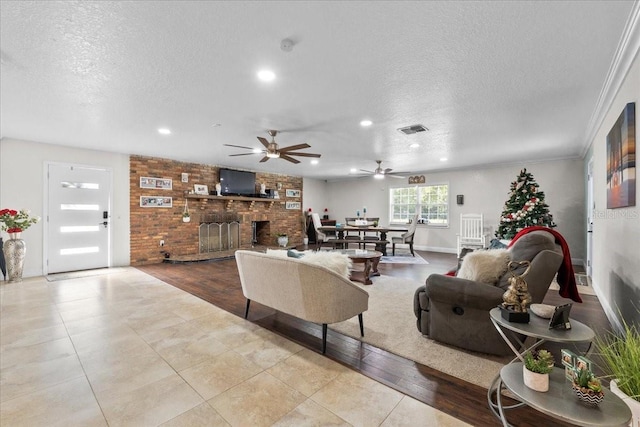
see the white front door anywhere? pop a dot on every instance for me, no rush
(78, 218)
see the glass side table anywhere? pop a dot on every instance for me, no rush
(559, 402)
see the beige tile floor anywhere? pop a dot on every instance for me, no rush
(125, 349)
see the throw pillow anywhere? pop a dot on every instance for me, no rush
(485, 266)
(292, 253)
(336, 261)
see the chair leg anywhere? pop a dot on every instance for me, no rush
(324, 338)
(246, 310)
(393, 250)
(411, 249)
(361, 325)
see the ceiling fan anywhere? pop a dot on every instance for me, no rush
(272, 151)
(380, 173)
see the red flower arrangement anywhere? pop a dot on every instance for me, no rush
(14, 221)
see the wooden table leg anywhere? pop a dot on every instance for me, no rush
(367, 270)
(374, 267)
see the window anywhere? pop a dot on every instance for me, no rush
(431, 201)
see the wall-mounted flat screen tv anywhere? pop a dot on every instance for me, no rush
(237, 183)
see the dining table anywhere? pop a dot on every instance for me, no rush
(340, 230)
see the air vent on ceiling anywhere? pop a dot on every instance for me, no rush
(410, 130)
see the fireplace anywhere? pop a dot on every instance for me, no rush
(219, 232)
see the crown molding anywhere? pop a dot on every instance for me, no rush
(623, 59)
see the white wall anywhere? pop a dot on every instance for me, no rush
(314, 195)
(616, 232)
(22, 183)
(485, 191)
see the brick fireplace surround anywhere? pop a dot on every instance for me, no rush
(151, 225)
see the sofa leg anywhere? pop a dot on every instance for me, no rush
(246, 310)
(393, 250)
(361, 325)
(324, 338)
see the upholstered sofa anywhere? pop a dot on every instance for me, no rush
(302, 287)
(455, 311)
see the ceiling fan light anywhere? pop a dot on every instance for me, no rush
(378, 175)
(273, 155)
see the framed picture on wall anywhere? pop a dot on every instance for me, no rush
(293, 205)
(156, 183)
(293, 193)
(621, 160)
(156, 202)
(200, 189)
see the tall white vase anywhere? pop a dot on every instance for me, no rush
(14, 252)
(634, 405)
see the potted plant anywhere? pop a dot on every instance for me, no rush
(587, 387)
(620, 354)
(186, 217)
(283, 239)
(536, 369)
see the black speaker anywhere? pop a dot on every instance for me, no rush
(460, 199)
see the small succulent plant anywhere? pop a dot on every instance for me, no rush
(541, 362)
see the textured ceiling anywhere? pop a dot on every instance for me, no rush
(493, 81)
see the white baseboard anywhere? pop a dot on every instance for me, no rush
(435, 249)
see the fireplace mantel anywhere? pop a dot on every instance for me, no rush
(231, 199)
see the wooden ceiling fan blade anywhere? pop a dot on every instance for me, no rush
(295, 147)
(238, 146)
(387, 170)
(396, 176)
(364, 170)
(286, 157)
(264, 142)
(264, 159)
(301, 154)
(244, 154)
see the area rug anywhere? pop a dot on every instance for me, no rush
(584, 285)
(391, 325)
(402, 258)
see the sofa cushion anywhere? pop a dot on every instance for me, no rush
(484, 266)
(525, 249)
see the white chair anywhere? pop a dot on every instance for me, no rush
(472, 233)
(321, 237)
(405, 238)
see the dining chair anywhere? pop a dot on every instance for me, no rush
(406, 238)
(321, 237)
(352, 221)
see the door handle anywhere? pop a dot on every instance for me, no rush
(105, 223)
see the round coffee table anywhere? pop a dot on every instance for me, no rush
(370, 259)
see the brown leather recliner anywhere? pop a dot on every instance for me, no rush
(455, 311)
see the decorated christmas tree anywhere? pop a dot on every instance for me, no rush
(525, 207)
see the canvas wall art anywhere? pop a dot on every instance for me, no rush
(621, 160)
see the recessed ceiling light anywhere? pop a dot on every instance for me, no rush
(353, 170)
(266, 75)
(164, 131)
(414, 145)
(366, 123)
(314, 162)
(257, 150)
(443, 159)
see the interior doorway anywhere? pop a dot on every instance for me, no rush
(78, 211)
(590, 212)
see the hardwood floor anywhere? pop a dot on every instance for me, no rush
(218, 283)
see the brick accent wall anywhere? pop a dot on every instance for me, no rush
(150, 225)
